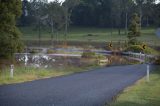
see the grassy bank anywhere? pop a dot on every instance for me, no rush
(142, 93)
(22, 75)
(87, 33)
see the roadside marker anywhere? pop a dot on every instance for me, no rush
(158, 32)
(148, 72)
(110, 45)
(11, 71)
(144, 46)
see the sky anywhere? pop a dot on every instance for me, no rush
(157, 1)
(64, 0)
(59, 0)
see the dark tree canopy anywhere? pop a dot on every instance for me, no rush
(10, 41)
(103, 13)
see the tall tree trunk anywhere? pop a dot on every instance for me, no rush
(126, 24)
(52, 31)
(111, 26)
(39, 32)
(147, 21)
(119, 31)
(57, 37)
(66, 24)
(140, 17)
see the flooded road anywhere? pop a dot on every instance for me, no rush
(58, 60)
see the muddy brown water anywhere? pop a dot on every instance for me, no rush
(49, 61)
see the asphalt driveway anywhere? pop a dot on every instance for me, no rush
(93, 88)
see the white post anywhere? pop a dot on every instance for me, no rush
(148, 72)
(26, 60)
(11, 71)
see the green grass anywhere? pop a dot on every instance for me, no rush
(80, 34)
(142, 93)
(29, 74)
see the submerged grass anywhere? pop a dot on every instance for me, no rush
(22, 74)
(142, 93)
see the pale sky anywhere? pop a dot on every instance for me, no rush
(157, 1)
(64, 0)
(58, 0)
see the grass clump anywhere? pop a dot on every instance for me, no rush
(101, 57)
(33, 51)
(49, 51)
(142, 93)
(22, 74)
(88, 54)
(92, 55)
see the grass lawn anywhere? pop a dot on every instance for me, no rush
(81, 34)
(142, 93)
(22, 75)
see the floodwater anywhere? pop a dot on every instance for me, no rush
(59, 60)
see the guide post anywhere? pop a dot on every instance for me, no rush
(12, 71)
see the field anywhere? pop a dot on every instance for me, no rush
(91, 34)
(142, 93)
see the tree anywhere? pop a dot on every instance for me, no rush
(126, 8)
(55, 17)
(141, 4)
(148, 12)
(68, 6)
(39, 8)
(10, 35)
(24, 16)
(134, 29)
(93, 13)
(157, 15)
(117, 11)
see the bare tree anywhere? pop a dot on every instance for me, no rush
(55, 17)
(68, 6)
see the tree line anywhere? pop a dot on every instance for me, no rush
(97, 13)
(115, 13)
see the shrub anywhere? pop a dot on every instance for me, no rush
(135, 48)
(101, 57)
(90, 35)
(139, 48)
(134, 42)
(33, 51)
(157, 61)
(88, 54)
(49, 51)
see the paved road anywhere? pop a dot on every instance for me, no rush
(92, 88)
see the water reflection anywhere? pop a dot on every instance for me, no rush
(35, 60)
(50, 61)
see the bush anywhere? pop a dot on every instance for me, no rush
(157, 61)
(49, 51)
(90, 35)
(33, 51)
(135, 48)
(139, 48)
(133, 42)
(88, 54)
(101, 57)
